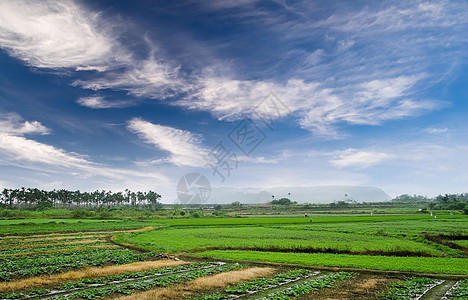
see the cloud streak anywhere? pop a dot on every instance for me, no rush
(55, 34)
(359, 158)
(98, 102)
(370, 66)
(184, 147)
(17, 150)
(317, 107)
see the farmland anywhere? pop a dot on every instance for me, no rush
(224, 258)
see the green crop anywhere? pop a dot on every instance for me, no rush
(163, 281)
(459, 291)
(408, 289)
(443, 265)
(54, 264)
(262, 283)
(307, 287)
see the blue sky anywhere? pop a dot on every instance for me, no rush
(136, 94)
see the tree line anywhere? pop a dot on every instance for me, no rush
(440, 202)
(33, 198)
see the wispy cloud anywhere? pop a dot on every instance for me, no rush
(63, 34)
(55, 34)
(183, 146)
(147, 78)
(359, 158)
(317, 107)
(437, 130)
(97, 102)
(370, 65)
(17, 150)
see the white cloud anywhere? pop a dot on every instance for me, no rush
(55, 34)
(63, 34)
(359, 158)
(436, 130)
(183, 146)
(19, 151)
(13, 124)
(148, 78)
(318, 108)
(97, 102)
(24, 149)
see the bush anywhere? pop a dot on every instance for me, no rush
(82, 214)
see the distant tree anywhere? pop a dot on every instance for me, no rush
(282, 201)
(153, 198)
(236, 204)
(409, 198)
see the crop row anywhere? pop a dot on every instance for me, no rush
(47, 241)
(53, 252)
(310, 286)
(292, 291)
(57, 235)
(142, 285)
(13, 266)
(44, 248)
(263, 283)
(409, 289)
(33, 267)
(102, 281)
(259, 284)
(458, 292)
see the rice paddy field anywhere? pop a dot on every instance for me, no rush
(329, 257)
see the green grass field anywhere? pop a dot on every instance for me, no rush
(190, 239)
(56, 225)
(387, 241)
(376, 242)
(441, 265)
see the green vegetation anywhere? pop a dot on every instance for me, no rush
(409, 289)
(60, 263)
(280, 237)
(459, 291)
(463, 243)
(34, 198)
(262, 283)
(297, 290)
(90, 283)
(442, 265)
(388, 235)
(41, 225)
(163, 281)
(43, 243)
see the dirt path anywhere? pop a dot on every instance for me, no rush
(439, 291)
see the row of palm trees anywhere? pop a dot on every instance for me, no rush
(36, 198)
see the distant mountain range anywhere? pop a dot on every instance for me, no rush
(315, 194)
